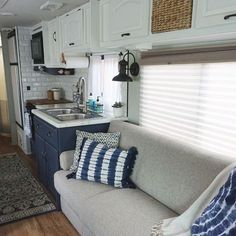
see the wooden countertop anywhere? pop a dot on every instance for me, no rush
(45, 101)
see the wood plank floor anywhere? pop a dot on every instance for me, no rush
(50, 224)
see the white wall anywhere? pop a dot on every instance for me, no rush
(134, 94)
(41, 82)
(134, 99)
(9, 87)
(4, 113)
(3, 93)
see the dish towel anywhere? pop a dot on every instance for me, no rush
(27, 127)
(181, 225)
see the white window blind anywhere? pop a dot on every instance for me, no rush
(101, 73)
(194, 103)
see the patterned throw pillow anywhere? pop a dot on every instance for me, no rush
(110, 139)
(102, 164)
(219, 217)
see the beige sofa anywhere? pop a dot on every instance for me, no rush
(169, 177)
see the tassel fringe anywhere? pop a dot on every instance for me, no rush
(156, 229)
(71, 175)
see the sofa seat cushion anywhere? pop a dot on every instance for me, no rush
(124, 212)
(109, 211)
(77, 190)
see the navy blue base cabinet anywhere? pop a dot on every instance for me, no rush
(49, 142)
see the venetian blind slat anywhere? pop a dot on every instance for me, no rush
(195, 103)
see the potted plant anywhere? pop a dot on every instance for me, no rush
(118, 109)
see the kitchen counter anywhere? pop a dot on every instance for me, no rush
(65, 124)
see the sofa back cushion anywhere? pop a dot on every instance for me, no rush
(169, 171)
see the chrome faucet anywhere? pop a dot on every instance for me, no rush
(82, 90)
(80, 96)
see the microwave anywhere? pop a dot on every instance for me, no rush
(37, 48)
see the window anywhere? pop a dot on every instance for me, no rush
(195, 103)
(101, 72)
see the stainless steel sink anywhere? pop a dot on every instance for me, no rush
(75, 116)
(57, 111)
(68, 114)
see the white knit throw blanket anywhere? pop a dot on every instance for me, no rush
(181, 225)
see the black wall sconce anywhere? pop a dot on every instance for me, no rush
(125, 70)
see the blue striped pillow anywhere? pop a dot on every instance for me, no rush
(219, 217)
(111, 166)
(110, 139)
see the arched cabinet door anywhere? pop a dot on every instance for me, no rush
(215, 13)
(129, 19)
(72, 29)
(52, 166)
(54, 43)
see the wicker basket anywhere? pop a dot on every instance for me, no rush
(170, 15)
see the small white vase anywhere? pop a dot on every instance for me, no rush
(118, 112)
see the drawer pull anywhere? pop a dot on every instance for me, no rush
(49, 134)
(71, 44)
(54, 36)
(229, 16)
(126, 34)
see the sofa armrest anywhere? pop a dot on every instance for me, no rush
(66, 159)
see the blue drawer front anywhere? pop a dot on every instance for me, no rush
(47, 132)
(38, 127)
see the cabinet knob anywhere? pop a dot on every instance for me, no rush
(229, 16)
(125, 34)
(71, 44)
(44, 154)
(54, 36)
(37, 126)
(49, 134)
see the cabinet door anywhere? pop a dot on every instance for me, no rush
(87, 25)
(46, 131)
(129, 18)
(72, 26)
(104, 12)
(215, 12)
(52, 166)
(41, 159)
(54, 43)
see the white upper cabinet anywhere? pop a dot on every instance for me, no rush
(54, 43)
(91, 26)
(72, 29)
(104, 20)
(215, 13)
(80, 28)
(128, 19)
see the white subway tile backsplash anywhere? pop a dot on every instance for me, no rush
(41, 82)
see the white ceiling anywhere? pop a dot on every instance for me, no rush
(28, 13)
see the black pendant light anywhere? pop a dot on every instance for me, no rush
(125, 70)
